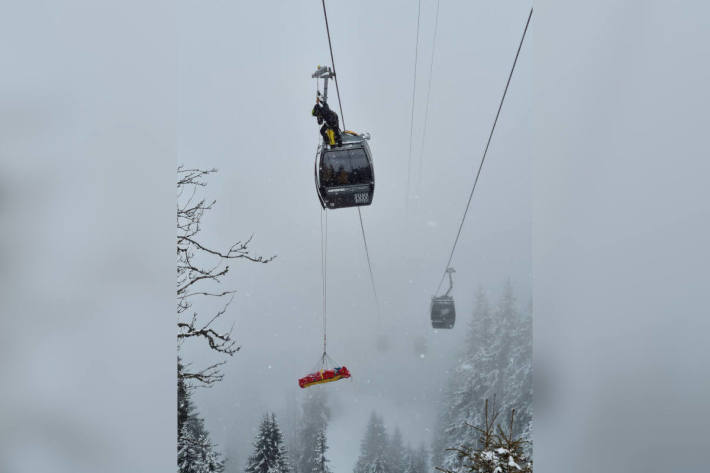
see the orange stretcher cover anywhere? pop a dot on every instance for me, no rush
(324, 376)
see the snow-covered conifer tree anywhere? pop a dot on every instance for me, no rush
(409, 466)
(495, 364)
(372, 448)
(314, 419)
(497, 450)
(395, 453)
(472, 380)
(188, 450)
(421, 460)
(270, 455)
(518, 394)
(379, 465)
(196, 453)
(320, 461)
(416, 460)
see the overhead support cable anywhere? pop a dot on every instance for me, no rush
(411, 121)
(332, 61)
(369, 265)
(485, 152)
(428, 94)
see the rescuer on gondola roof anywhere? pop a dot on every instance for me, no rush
(329, 119)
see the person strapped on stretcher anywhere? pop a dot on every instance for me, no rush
(324, 376)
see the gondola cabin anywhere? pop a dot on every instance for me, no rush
(345, 176)
(443, 312)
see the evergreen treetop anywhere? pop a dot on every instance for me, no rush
(270, 455)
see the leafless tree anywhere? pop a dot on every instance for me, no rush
(200, 269)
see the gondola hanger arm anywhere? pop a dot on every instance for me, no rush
(450, 271)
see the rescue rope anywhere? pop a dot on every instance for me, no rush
(485, 152)
(324, 273)
(411, 121)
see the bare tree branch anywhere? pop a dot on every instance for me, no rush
(199, 268)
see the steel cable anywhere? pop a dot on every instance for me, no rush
(362, 227)
(485, 152)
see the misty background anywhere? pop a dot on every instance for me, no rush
(244, 108)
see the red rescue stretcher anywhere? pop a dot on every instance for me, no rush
(324, 376)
